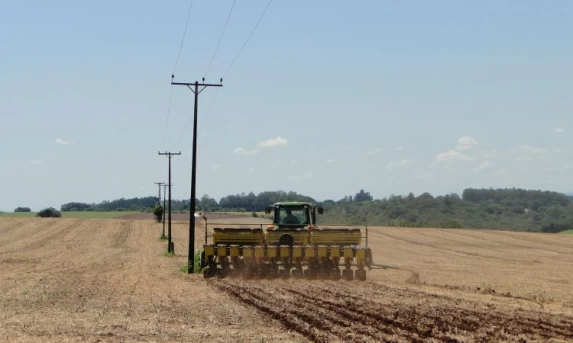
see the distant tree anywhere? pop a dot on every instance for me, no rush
(208, 204)
(22, 209)
(158, 213)
(49, 212)
(75, 206)
(363, 196)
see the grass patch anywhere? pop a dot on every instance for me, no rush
(196, 267)
(18, 214)
(163, 238)
(169, 254)
(98, 215)
(260, 214)
(568, 232)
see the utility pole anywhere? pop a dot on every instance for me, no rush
(159, 197)
(170, 247)
(194, 87)
(164, 192)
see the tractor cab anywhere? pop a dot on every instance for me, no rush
(293, 215)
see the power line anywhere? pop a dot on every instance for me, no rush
(183, 37)
(175, 67)
(168, 111)
(220, 38)
(207, 71)
(248, 38)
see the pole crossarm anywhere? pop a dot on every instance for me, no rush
(197, 84)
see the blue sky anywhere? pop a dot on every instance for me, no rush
(327, 98)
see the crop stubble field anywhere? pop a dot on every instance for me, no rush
(108, 281)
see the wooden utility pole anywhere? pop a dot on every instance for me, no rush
(170, 247)
(159, 197)
(194, 87)
(164, 209)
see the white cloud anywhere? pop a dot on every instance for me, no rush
(466, 143)
(484, 166)
(400, 148)
(567, 167)
(559, 130)
(374, 151)
(294, 162)
(330, 160)
(216, 167)
(277, 141)
(63, 142)
(35, 162)
(397, 164)
(251, 171)
(276, 163)
(305, 176)
(241, 151)
(452, 155)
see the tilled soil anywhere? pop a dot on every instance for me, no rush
(77, 280)
(326, 311)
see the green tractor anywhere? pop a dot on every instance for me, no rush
(291, 246)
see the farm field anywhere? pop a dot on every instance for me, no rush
(79, 214)
(108, 281)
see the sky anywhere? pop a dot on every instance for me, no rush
(324, 99)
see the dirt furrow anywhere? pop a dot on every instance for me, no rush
(380, 320)
(323, 324)
(454, 313)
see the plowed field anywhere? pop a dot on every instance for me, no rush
(108, 281)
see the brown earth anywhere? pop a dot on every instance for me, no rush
(108, 281)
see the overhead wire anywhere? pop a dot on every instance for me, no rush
(175, 67)
(209, 67)
(248, 38)
(183, 37)
(234, 59)
(232, 62)
(220, 38)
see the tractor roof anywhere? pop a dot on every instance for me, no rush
(292, 203)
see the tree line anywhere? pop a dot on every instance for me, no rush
(507, 209)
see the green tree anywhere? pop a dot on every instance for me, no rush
(158, 213)
(363, 196)
(49, 212)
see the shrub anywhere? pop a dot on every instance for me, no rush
(158, 213)
(49, 212)
(22, 209)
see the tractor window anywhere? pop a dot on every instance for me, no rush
(293, 215)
